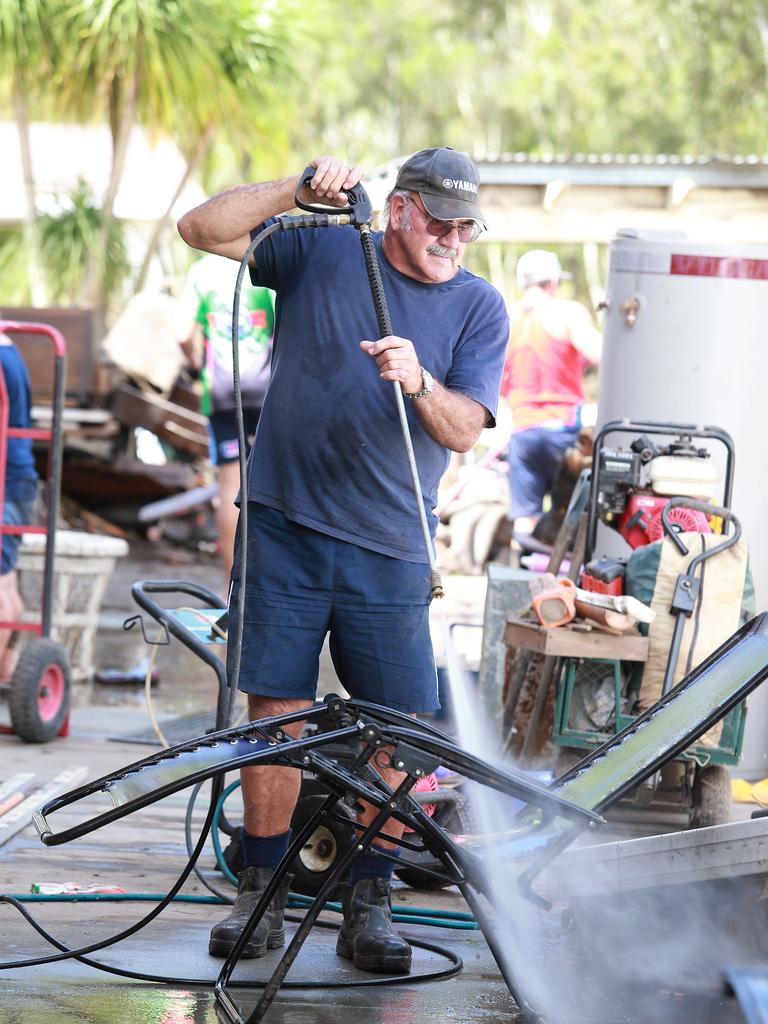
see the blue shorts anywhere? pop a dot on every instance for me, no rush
(534, 458)
(301, 585)
(21, 512)
(222, 434)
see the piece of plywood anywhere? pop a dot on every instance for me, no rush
(563, 642)
(76, 325)
(507, 594)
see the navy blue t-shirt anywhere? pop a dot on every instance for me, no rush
(329, 450)
(20, 462)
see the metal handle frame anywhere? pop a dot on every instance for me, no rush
(141, 590)
(652, 427)
(687, 582)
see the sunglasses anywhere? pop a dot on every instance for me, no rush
(469, 230)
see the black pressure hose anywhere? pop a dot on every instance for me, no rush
(80, 953)
(385, 328)
(242, 523)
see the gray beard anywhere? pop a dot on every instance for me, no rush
(442, 250)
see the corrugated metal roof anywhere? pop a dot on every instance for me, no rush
(612, 169)
(628, 158)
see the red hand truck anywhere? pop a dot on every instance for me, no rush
(38, 692)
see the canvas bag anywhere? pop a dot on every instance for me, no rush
(724, 604)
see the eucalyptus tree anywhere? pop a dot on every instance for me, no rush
(721, 51)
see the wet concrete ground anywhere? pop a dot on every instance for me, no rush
(145, 852)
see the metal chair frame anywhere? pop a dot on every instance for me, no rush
(553, 816)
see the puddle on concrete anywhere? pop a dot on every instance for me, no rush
(109, 1003)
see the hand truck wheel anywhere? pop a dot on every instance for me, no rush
(324, 848)
(311, 867)
(39, 692)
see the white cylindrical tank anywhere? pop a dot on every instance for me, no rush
(685, 340)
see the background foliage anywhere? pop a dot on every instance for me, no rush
(254, 88)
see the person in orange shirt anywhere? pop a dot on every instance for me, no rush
(551, 341)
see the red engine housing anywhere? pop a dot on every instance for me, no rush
(640, 522)
(604, 576)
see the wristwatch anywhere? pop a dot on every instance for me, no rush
(427, 384)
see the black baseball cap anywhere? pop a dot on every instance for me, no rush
(447, 182)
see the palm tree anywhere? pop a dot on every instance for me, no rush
(25, 68)
(172, 67)
(70, 234)
(254, 61)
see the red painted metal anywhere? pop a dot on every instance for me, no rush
(53, 688)
(691, 265)
(50, 692)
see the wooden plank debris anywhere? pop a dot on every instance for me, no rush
(183, 428)
(17, 781)
(21, 815)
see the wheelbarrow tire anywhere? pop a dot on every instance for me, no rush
(40, 690)
(711, 797)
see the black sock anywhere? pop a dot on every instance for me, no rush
(370, 865)
(264, 851)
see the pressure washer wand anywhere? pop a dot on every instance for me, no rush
(359, 213)
(385, 328)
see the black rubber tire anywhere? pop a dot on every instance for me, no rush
(334, 840)
(417, 873)
(233, 851)
(711, 797)
(38, 707)
(327, 844)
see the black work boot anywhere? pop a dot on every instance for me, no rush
(269, 933)
(367, 937)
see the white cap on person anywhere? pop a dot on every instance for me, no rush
(539, 266)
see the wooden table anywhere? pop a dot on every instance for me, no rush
(551, 644)
(565, 642)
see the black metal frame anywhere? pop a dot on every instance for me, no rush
(652, 427)
(141, 590)
(416, 750)
(552, 819)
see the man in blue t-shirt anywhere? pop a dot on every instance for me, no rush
(334, 539)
